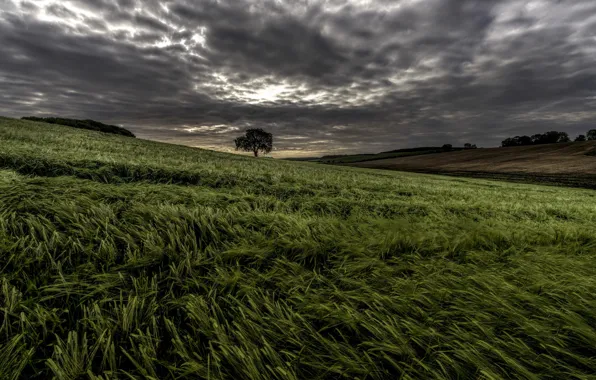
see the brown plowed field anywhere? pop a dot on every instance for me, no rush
(566, 164)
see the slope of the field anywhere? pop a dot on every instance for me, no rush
(565, 163)
(347, 159)
(130, 259)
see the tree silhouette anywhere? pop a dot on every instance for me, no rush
(517, 141)
(255, 140)
(551, 137)
(591, 135)
(563, 137)
(580, 138)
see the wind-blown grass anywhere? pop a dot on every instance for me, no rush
(124, 258)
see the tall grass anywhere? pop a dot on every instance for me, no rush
(126, 259)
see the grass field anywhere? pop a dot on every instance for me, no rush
(129, 259)
(566, 164)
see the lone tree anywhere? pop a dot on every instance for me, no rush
(591, 135)
(255, 140)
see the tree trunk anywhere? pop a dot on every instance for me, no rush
(256, 152)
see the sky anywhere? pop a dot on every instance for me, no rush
(324, 76)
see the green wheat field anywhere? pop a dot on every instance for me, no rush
(129, 259)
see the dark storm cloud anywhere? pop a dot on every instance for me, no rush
(150, 23)
(321, 75)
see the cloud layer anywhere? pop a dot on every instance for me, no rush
(325, 76)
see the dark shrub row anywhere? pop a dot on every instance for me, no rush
(83, 124)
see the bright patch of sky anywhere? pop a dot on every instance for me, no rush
(219, 128)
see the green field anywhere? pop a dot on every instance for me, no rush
(130, 259)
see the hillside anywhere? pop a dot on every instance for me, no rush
(351, 158)
(370, 157)
(571, 164)
(125, 258)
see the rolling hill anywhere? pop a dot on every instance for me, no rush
(83, 124)
(351, 158)
(132, 259)
(572, 164)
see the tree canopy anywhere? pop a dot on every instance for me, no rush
(255, 140)
(580, 138)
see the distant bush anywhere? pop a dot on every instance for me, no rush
(591, 135)
(551, 137)
(470, 146)
(83, 124)
(447, 147)
(517, 141)
(580, 138)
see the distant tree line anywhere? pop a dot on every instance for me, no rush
(83, 124)
(551, 137)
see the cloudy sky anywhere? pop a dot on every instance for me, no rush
(324, 76)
